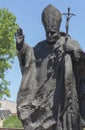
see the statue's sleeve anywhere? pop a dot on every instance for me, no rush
(28, 86)
(76, 48)
(79, 63)
(28, 83)
(81, 76)
(23, 52)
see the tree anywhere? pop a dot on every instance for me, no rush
(8, 27)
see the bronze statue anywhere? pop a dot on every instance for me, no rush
(52, 90)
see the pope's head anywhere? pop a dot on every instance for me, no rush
(51, 19)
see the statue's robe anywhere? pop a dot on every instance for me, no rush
(52, 90)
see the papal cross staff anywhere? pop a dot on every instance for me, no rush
(68, 16)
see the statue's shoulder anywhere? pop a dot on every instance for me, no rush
(40, 44)
(62, 35)
(71, 41)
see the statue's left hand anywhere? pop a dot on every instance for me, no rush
(78, 53)
(68, 48)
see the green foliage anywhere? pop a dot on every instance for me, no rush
(0, 104)
(8, 28)
(12, 122)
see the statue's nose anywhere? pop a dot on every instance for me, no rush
(49, 34)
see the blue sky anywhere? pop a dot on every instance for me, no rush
(28, 14)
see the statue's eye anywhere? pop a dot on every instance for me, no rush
(52, 32)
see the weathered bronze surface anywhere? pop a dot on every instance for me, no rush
(52, 90)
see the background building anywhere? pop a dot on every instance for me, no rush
(7, 108)
(8, 105)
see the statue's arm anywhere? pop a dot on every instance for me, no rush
(79, 58)
(23, 50)
(79, 54)
(73, 48)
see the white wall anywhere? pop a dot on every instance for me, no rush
(8, 105)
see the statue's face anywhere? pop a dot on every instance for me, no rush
(51, 36)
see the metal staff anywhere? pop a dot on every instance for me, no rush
(68, 16)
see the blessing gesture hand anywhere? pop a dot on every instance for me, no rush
(19, 39)
(19, 32)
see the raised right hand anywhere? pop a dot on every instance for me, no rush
(19, 39)
(19, 32)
